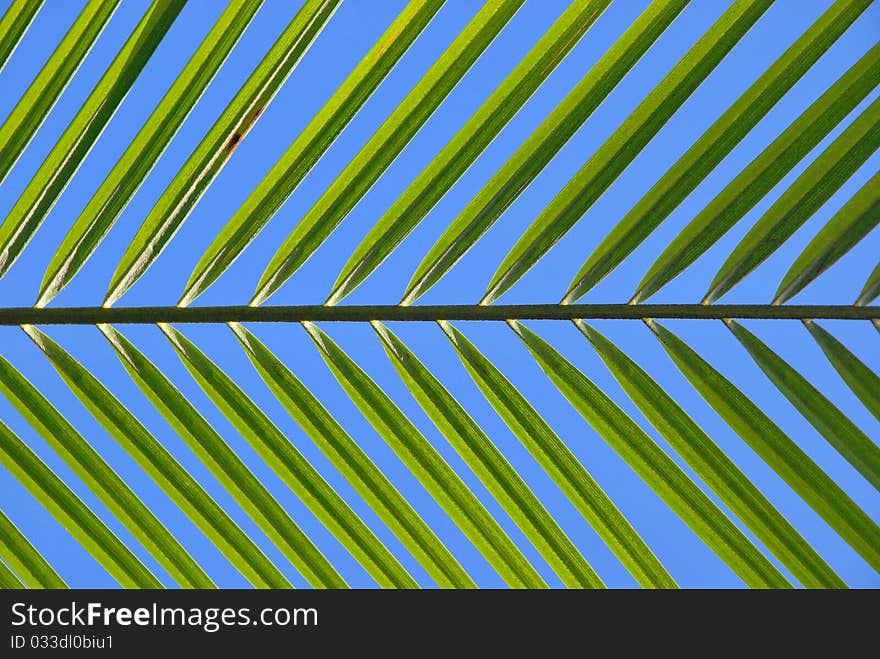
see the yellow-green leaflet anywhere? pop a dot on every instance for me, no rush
(712, 147)
(355, 465)
(146, 450)
(428, 466)
(286, 460)
(619, 150)
(490, 465)
(28, 114)
(14, 24)
(216, 454)
(463, 149)
(22, 556)
(656, 468)
(72, 513)
(776, 449)
(8, 579)
(718, 471)
(91, 468)
(383, 147)
(310, 145)
(544, 143)
(208, 159)
(133, 166)
(63, 161)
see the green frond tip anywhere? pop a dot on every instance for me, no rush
(542, 145)
(123, 181)
(20, 555)
(713, 146)
(863, 382)
(355, 465)
(764, 172)
(711, 464)
(35, 104)
(855, 220)
(15, 21)
(224, 464)
(291, 466)
(783, 455)
(162, 467)
(490, 465)
(385, 145)
(805, 196)
(63, 503)
(209, 158)
(100, 478)
(561, 465)
(426, 464)
(627, 141)
(656, 468)
(65, 158)
(309, 146)
(463, 149)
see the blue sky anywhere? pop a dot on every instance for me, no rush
(347, 37)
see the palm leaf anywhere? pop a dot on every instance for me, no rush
(20, 555)
(14, 23)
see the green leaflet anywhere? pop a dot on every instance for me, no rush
(100, 478)
(355, 465)
(863, 382)
(656, 468)
(776, 449)
(216, 454)
(428, 466)
(22, 557)
(467, 145)
(72, 513)
(8, 579)
(561, 464)
(309, 146)
(286, 461)
(534, 154)
(717, 470)
(832, 424)
(804, 197)
(182, 488)
(763, 173)
(30, 111)
(14, 23)
(132, 168)
(216, 148)
(719, 140)
(855, 220)
(871, 289)
(50, 180)
(490, 465)
(384, 146)
(619, 150)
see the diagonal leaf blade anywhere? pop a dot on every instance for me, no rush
(63, 161)
(182, 488)
(284, 177)
(711, 148)
(72, 513)
(14, 23)
(656, 468)
(120, 185)
(384, 146)
(871, 289)
(428, 466)
(22, 556)
(235, 476)
(354, 464)
(290, 465)
(8, 579)
(490, 465)
(470, 141)
(91, 468)
(717, 470)
(208, 159)
(776, 449)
